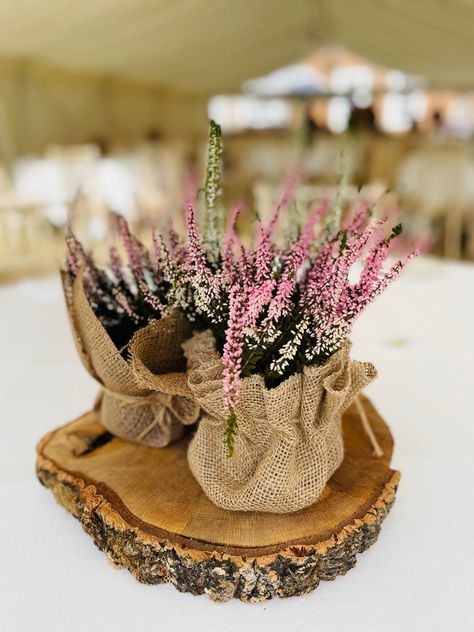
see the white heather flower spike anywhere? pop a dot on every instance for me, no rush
(333, 217)
(214, 221)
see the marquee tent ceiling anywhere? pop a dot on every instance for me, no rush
(209, 46)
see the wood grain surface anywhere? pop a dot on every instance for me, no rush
(143, 508)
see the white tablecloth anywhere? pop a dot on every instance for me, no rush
(418, 576)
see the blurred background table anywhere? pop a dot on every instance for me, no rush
(415, 335)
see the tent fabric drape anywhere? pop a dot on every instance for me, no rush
(41, 105)
(210, 46)
(128, 66)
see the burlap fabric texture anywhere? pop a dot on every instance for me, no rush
(288, 441)
(145, 398)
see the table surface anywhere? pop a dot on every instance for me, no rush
(418, 576)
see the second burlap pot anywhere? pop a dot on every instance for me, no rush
(288, 441)
(129, 408)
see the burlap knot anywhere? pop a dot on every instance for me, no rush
(288, 441)
(166, 409)
(150, 415)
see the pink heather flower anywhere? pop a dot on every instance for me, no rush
(190, 188)
(265, 250)
(333, 302)
(289, 280)
(157, 251)
(314, 218)
(286, 197)
(264, 255)
(132, 246)
(76, 255)
(151, 298)
(174, 243)
(168, 242)
(230, 241)
(115, 263)
(125, 305)
(195, 248)
(259, 297)
(196, 262)
(373, 264)
(319, 273)
(282, 301)
(72, 263)
(166, 258)
(166, 267)
(359, 218)
(362, 295)
(245, 269)
(233, 348)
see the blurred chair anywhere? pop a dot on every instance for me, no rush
(438, 183)
(29, 243)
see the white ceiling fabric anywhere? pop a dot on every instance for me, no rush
(209, 46)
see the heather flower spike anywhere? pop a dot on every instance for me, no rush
(213, 220)
(132, 246)
(333, 217)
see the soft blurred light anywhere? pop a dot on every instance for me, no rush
(417, 104)
(236, 113)
(40, 181)
(362, 98)
(111, 183)
(339, 110)
(345, 79)
(395, 115)
(291, 80)
(396, 80)
(460, 116)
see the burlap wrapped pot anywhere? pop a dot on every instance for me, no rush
(128, 407)
(288, 441)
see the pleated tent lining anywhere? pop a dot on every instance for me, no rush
(209, 46)
(71, 70)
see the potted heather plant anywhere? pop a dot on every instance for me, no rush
(272, 372)
(130, 318)
(128, 335)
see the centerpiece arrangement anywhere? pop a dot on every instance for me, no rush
(247, 343)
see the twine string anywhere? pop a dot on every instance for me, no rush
(377, 450)
(160, 403)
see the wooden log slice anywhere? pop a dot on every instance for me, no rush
(145, 510)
